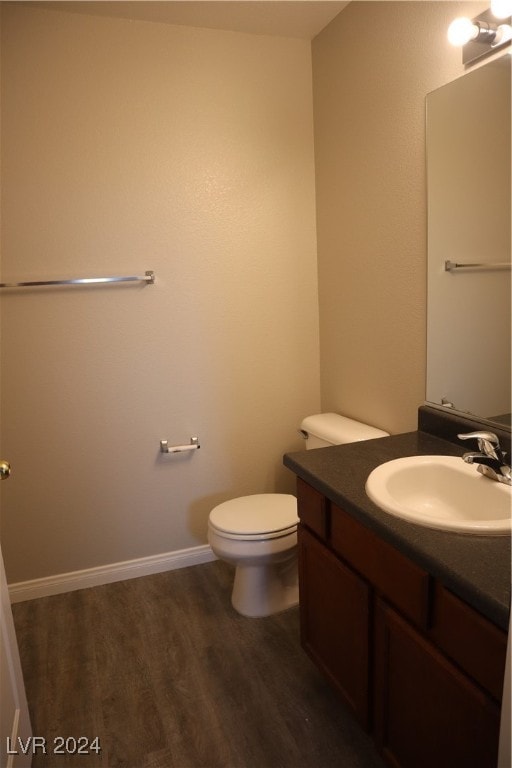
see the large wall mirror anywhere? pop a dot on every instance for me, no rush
(469, 238)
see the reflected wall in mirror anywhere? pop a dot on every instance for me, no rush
(469, 222)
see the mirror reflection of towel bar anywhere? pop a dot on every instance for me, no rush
(450, 266)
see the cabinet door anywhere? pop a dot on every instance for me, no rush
(334, 612)
(427, 712)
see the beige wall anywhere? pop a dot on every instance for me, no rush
(372, 68)
(130, 146)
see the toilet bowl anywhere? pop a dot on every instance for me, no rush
(258, 534)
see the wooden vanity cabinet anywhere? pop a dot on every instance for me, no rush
(419, 667)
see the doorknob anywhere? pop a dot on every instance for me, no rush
(5, 469)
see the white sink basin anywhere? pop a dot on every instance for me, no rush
(441, 492)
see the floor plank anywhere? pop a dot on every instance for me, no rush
(167, 675)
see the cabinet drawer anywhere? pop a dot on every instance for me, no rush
(392, 574)
(311, 506)
(473, 642)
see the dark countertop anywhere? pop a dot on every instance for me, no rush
(477, 568)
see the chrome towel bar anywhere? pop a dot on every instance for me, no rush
(149, 277)
(451, 266)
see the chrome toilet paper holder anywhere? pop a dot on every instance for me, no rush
(166, 448)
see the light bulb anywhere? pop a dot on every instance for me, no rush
(503, 35)
(461, 31)
(501, 8)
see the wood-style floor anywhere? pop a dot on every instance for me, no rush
(168, 675)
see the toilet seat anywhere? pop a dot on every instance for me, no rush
(262, 515)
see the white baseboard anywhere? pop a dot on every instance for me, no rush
(106, 574)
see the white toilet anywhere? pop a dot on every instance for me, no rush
(258, 534)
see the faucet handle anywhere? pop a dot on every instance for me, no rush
(489, 436)
(488, 442)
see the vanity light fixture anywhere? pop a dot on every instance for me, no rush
(484, 34)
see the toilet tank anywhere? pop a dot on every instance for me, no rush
(326, 429)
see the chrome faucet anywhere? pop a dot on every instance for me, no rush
(489, 457)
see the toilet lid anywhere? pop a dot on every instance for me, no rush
(261, 513)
